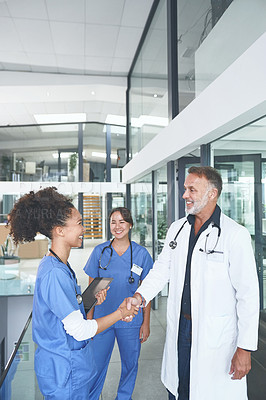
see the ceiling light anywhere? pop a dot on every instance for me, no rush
(103, 155)
(59, 118)
(120, 130)
(115, 119)
(93, 93)
(62, 155)
(149, 120)
(59, 128)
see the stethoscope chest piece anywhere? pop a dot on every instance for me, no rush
(173, 244)
(79, 298)
(131, 279)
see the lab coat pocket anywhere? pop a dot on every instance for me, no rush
(221, 331)
(83, 366)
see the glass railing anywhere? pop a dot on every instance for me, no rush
(18, 379)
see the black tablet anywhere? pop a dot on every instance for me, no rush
(88, 296)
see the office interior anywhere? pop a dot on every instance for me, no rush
(112, 103)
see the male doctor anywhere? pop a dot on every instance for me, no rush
(213, 302)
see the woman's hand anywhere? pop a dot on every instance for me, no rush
(101, 296)
(144, 332)
(126, 314)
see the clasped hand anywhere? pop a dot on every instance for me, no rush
(132, 303)
(127, 312)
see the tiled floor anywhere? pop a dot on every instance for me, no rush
(148, 385)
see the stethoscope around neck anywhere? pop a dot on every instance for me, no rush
(131, 279)
(78, 296)
(173, 243)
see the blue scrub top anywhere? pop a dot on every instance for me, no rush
(119, 269)
(58, 354)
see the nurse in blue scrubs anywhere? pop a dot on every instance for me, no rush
(127, 263)
(64, 363)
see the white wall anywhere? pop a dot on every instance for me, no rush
(235, 98)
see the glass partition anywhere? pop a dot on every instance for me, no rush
(49, 153)
(18, 380)
(240, 158)
(141, 209)
(161, 206)
(212, 34)
(148, 85)
(38, 153)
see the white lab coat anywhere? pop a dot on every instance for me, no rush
(224, 307)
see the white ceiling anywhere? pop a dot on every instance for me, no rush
(67, 56)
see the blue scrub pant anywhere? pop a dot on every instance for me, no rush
(129, 347)
(184, 350)
(68, 393)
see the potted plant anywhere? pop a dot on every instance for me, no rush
(9, 262)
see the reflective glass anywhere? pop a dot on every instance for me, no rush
(161, 197)
(148, 85)
(39, 153)
(212, 34)
(241, 158)
(20, 381)
(141, 209)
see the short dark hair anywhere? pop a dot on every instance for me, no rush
(125, 212)
(38, 212)
(211, 174)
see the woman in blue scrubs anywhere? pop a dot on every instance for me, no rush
(127, 263)
(64, 363)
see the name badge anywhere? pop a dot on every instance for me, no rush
(136, 269)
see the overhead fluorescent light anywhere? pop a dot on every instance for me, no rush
(62, 155)
(119, 130)
(59, 118)
(149, 120)
(59, 128)
(115, 119)
(136, 122)
(103, 155)
(66, 154)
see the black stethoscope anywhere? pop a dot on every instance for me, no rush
(130, 279)
(173, 243)
(78, 296)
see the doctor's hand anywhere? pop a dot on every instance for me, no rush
(101, 296)
(240, 364)
(134, 301)
(128, 313)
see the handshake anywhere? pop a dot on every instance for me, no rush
(130, 307)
